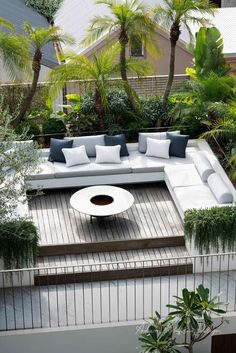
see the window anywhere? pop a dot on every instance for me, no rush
(136, 48)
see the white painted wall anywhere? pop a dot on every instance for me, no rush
(103, 339)
(4, 77)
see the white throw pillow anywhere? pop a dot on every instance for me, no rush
(75, 156)
(108, 154)
(158, 148)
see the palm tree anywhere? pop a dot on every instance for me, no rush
(13, 49)
(175, 14)
(38, 38)
(131, 19)
(99, 69)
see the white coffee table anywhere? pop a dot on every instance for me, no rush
(102, 200)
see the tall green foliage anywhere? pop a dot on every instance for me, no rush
(211, 229)
(208, 54)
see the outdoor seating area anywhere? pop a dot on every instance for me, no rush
(117, 176)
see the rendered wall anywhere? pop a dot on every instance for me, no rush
(122, 339)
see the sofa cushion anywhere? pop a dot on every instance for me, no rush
(178, 144)
(75, 156)
(183, 175)
(142, 140)
(143, 164)
(89, 142)
(203, 165)
(117, 140)
(92, 169)
(196, 196)
(56, 154)
(158, 148)
(44, 171)
(219, 189)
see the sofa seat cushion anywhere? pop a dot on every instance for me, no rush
(143, 164)
(184, 175)
(197, 196)
(92, 169)
(44, 171)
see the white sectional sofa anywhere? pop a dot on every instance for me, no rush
(186, 178)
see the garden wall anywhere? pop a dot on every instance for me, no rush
(147, 86)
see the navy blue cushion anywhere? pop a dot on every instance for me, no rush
(117, 140)
(178, 144)
(56, 154)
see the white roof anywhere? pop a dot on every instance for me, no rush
(75, 15)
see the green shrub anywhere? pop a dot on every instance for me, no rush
(211, 229)
(192, 126)
(53, 126)
(28, 127)
(18, 243)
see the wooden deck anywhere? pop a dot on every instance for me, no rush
(152, 221)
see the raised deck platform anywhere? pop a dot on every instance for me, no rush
(151, 222)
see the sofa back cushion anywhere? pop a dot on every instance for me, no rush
(219, 189)
(142, 140)
(203, 165)
(56, 146)
(178, 144)
(89, 142)
(117, 140)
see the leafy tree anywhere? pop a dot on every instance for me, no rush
(99, 69)
(191, 316)
(18, 160)
(193, 313)
(175, 14)
(13, 49)
(38, 38)
(208, 54)
(47, 8)
(130, 18)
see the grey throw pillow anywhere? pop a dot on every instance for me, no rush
(117, 140)
(56, 154)
(178, 144)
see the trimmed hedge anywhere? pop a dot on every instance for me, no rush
(212, 229)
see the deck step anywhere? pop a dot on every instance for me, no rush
(111, 246)
(115, 265)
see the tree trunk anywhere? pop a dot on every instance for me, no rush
(36, 66)
(174, 37)
(123, 39)
(99, 109)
